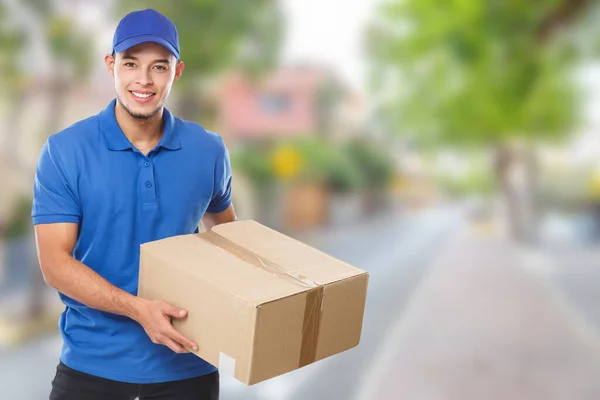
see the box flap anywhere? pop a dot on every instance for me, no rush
(206, 261)
(292, 255)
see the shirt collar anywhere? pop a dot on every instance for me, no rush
(116, 139)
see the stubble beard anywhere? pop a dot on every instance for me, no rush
(139, 116)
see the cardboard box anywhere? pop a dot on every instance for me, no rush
(262, 298)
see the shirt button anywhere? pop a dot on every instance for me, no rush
(146, 164)
(148, 184)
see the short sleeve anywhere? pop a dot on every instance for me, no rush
(53, 197)
(221, 198)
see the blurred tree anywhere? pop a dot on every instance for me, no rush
(69, 52)
(215, 35)
(12, 86)
(477, 73)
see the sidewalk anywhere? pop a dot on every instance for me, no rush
(483, 327)
(573, 272)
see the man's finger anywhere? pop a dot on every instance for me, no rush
(176, 347)
(175, 311)
(179, 338)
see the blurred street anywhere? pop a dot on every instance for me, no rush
(454, 312)
(491, 321)
(450, 149)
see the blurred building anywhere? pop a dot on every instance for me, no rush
(291, 101)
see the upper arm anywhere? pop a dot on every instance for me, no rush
(221, 196)
(56, 211)
(55, 242)
(54, 197)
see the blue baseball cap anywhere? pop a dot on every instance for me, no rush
(146, 26)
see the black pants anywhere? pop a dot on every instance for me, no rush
(69, 384)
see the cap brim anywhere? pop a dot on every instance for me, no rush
(135, 40)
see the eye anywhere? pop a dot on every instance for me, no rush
(129, 64)
(160, 67)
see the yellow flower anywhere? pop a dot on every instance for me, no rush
(287, 162)
(595, 187)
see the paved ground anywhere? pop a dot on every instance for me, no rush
(485, 324)
(574, 273)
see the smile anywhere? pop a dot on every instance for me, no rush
(142, 95)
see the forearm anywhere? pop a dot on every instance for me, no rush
(83, 284)
(211, 219)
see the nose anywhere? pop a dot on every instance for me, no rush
(144, 77)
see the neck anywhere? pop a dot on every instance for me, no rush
(142, 133)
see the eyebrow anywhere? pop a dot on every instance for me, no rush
(129, 57)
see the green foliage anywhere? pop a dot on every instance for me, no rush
(18, 223)
(344, 175)
(569, 188)
(316, 156)
(343, 167)
(375, 165)
(68, 46)
(330, 163)
(214, 34)
(11, 43)
(254, 162)
(476, 182)
(469, 71)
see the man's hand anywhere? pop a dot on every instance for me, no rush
(155, 317)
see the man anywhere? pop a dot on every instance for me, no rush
(131, 174)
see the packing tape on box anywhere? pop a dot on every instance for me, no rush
(314, 296)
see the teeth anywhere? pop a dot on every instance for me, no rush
(142, 95)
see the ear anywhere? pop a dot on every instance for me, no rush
(179, 70)
(109, 61)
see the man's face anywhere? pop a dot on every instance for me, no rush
(143, 77)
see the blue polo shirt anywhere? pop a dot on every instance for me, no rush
(92, 175)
